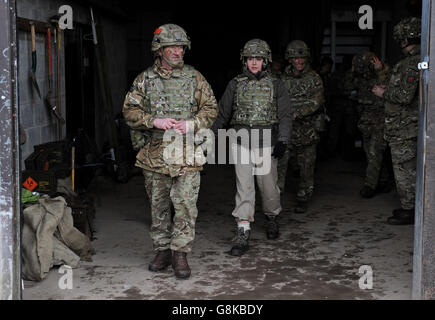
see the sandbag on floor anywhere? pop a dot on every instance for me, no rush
(49, 238)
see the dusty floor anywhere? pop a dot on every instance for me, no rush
(318, 255)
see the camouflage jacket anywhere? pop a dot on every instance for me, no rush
(401, 98)
(136, 111)
(307, 99)
(371, 107)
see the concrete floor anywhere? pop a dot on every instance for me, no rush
(317, 256)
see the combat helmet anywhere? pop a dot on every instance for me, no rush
(169, 35)
(407, 28)
(257, 48)
(297, 49)
(362, 63)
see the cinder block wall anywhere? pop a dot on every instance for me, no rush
(38, 122)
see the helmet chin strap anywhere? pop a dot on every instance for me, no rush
(177, 65)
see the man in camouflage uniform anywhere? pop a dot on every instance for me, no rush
(256, 102)
(306, 94)
(401, 117)
(169, 97)
(325, 73)
(370, 71)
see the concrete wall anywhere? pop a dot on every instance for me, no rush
(35, 117)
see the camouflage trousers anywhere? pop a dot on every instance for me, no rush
(306, 160)
(175, 233)
(404, 157)
(374, 147)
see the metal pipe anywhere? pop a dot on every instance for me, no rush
(10, 186)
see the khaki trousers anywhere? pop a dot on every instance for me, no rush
(260, 166)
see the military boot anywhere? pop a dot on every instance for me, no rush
(301, 206)
(367, 192)
(161, 261)
(401, 217)
(180, 265)
(240, 242)
(400, 212)
(272, 230)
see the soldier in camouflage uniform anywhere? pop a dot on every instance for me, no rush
(169, 95)
(256, 100)
(370, 71)
(306, 94)
(325, 73)
(401, 117)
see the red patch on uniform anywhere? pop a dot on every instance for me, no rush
(411, 79)
(158, 30)
(323, 89)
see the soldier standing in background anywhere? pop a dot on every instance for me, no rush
(325, 72)
(401, 117)
(306, 94)
(370, 71)
(169, 95)
(256, 100)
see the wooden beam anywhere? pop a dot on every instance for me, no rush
(23, 24)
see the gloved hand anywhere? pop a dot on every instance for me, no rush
(279, 149)
(165, 123)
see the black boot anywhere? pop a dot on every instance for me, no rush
(161, 261)
(401, 217)
(240, 242)
(272, 230)
(180, 265)
(398, 213)
(367, 192)
(301, 206)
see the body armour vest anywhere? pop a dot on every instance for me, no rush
(301, 88)
(254, 102)
(173, 97)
